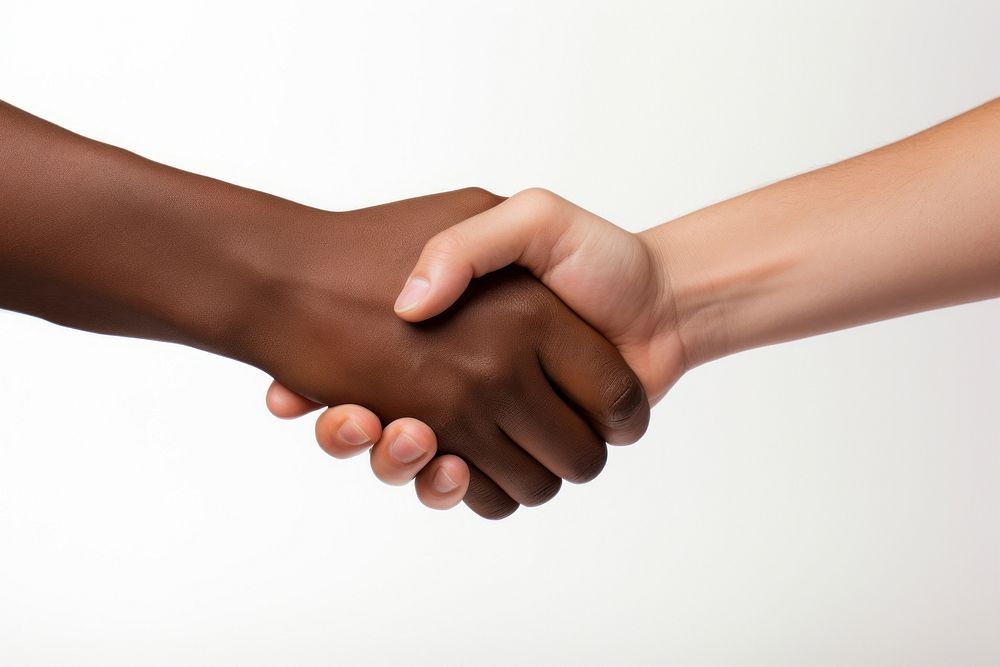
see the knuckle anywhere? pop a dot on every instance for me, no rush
(541, 491)
(496, 512)
(488, 372)
(485, 498)
(589, 464)
(539, 199)
(542, 205)
(627, 400)
(490, 504)
(445, 245)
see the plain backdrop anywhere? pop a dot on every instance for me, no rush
(832, 501)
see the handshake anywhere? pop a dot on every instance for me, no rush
(496, 389)
(493, 390)
(501, 343)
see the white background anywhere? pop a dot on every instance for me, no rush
(828, 502)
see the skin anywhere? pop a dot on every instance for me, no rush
(909, 227)
(511, 384)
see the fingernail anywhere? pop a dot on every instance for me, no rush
(413, 293)
(442, 482)
(405, 449)
(351, 433)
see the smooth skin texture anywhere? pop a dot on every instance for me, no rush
(512, 383)
(909, 227)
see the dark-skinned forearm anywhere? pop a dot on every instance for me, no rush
(98, 238)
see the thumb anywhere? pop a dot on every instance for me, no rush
(521, 230)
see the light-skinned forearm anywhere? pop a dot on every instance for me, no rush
(909, 227)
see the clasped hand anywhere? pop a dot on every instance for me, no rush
(518, 390)
(497, 397)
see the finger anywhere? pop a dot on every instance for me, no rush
(554, 434)
(406, 446)
(523, 229)
(487, 499)
(443, 482)
(590, 372)
(344, 431)
(511, 468)
(286, 404)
